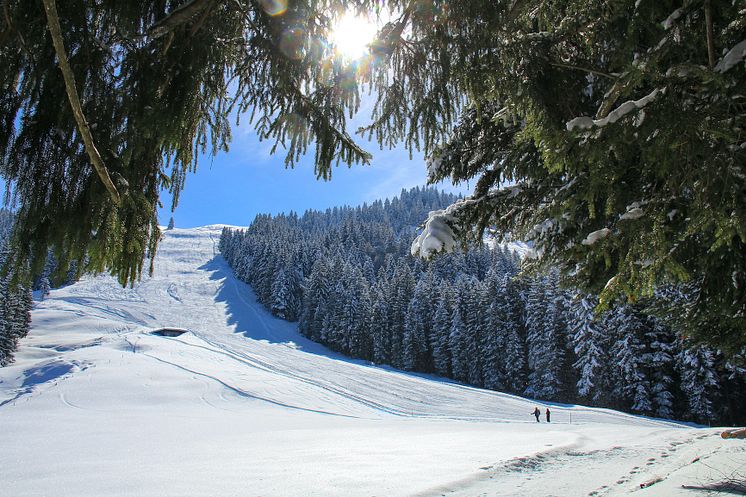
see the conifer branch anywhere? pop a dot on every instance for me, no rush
(515, 9)
(53, 23)
(205, 14)
(584, 69)
(179, 16)
(11, 28)
(610, 99)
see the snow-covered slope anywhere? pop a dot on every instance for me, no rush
(242, 405)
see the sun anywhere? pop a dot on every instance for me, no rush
(351, 36)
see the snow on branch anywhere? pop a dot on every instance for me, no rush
(585, 122)
(670, 20)
(438, 235)
(634, 211)
(734, 56)
(596, 236)
(433, 166)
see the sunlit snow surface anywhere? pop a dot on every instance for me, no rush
(241, 405)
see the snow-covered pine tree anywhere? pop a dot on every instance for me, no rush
(316, 291)
(439, 338)
(8, 342)
(545, 330)
(492, 346)
(591, 341)
(320, 318)
(280, 298)
(403, 284)
(415, 342)
(413, 328)
(340, 316)
(516, 352)
(16, 300)
(699, 381)
(379, 328)
(660, 363)
(458, 347)
(357, 312)
(631, 382)
(45, 287)
(473, 302)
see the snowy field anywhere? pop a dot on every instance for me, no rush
(242, 405)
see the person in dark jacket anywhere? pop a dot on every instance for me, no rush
(537, 413)
(548, 415)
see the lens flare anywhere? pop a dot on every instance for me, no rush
(293, 42)
(351, 36)
(274, 7)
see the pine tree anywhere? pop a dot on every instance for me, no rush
(16, 302)
(416, 335)
(361, 341)
(280, 299)
(412, 328)
(379, 330)
(631, 383)
(471, 294)
(8, 343)
(516, 354)
(660, 362)
(591, 342)
(545, 350)
(402, 286)
(44, 287)
(316, 291)
(699, 381)
(458, 347)
(439, 339)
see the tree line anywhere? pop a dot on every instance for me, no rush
(347, 276)
(15, 300)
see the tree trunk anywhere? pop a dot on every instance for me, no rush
(710, 41)
(53, 23)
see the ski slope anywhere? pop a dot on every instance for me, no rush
(242, 405)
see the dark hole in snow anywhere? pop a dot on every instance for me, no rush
(168, 332)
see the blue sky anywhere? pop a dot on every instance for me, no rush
(233, 187)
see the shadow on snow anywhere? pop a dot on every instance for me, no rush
(249, 318)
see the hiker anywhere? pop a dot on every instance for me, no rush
(548, 415)
(537, 413)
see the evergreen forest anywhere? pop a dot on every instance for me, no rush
(347, 276)
(15, 300)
